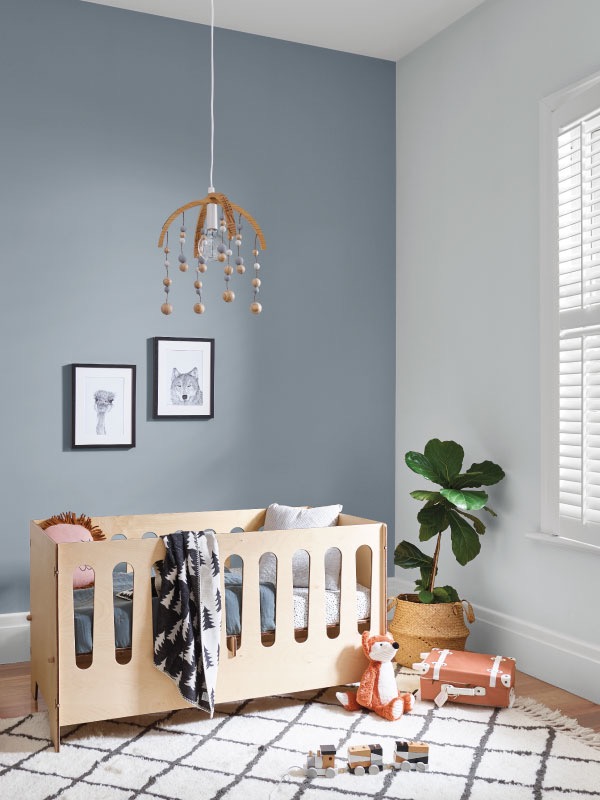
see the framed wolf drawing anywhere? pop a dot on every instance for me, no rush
(103, 409)
(184, 378)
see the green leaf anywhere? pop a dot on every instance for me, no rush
(408, 556)
(465, 542)
(434, 520)
(477, 523)
(425, 596)
(422, 466)
(485, 474)
(446, 458)
(441, 595)
(490, 511)
(465, 500)
(426, 575)
(452, 594)
(422, 494)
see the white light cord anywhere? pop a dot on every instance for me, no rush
(212, 90)
(284, 775)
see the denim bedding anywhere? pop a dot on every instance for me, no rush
(123, 581)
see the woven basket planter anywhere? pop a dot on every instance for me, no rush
(417, 627)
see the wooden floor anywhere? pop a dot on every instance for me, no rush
(16, 700)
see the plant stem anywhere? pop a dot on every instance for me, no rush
(436, 556)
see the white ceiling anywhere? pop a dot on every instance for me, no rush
(386, 29)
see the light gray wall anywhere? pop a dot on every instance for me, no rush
(468, 345)
(104, 131)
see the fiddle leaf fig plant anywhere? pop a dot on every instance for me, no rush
(450, 506)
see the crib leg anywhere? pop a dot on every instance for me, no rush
(53, 719)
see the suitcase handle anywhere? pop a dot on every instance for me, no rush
(448, 690)
(456, 691)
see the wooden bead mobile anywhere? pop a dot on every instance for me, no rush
(217, 231)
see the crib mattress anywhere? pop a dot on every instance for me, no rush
(332, 605)
(83, 601)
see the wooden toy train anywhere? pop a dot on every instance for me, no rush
(364, 758)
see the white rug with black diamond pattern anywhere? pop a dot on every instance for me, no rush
(475, 754)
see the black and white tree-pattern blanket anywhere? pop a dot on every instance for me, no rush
(186, 644)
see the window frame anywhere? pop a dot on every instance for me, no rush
(556, 111)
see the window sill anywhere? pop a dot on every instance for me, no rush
(562, 541)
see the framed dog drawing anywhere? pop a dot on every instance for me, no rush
(184, 378)
(103, 408)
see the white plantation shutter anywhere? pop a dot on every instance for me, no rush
(578, 225)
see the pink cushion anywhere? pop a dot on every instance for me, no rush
(83, 575)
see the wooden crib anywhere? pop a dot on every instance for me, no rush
(77, 691)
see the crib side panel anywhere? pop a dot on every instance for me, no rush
(134, 526)
(289, 665)
(44, 630)
(107, 689)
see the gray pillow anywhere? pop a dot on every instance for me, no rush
(281, 518)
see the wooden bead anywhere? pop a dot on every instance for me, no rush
(256, 282)
(166, 308)
(197, 284)
(202, 268)
(167, 250)
(221, 257)
(255, 252)
(255, 308)
(228, 296)
(240, 269)
(199, 308)
(167, 281)
(184, 267)
(228, 270)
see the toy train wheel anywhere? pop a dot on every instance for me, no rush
(421, 767)
(373, 770)
(405, 766)
(359, 770)
(312, 772)
(330, 772)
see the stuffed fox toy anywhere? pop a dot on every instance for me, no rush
(377, 689)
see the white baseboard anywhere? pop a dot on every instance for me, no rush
(570, 664)
(14, 638)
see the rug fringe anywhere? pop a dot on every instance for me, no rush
(559, 721)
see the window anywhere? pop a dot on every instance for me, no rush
(570, 291)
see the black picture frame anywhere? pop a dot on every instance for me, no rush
(183, 378)
(103, 406)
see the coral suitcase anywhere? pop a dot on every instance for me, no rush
(464, 677)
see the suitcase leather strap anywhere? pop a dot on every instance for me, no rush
(441, 662)
(494, 671)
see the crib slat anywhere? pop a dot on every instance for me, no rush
(284, 610)
(142, 634)
(348, 616)
(316, 594)
(251, 641)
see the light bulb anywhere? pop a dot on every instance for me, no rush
(207, 246)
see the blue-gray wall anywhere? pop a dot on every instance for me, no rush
(103, 132)
(468, 302)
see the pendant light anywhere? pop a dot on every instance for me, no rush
(219, 230)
